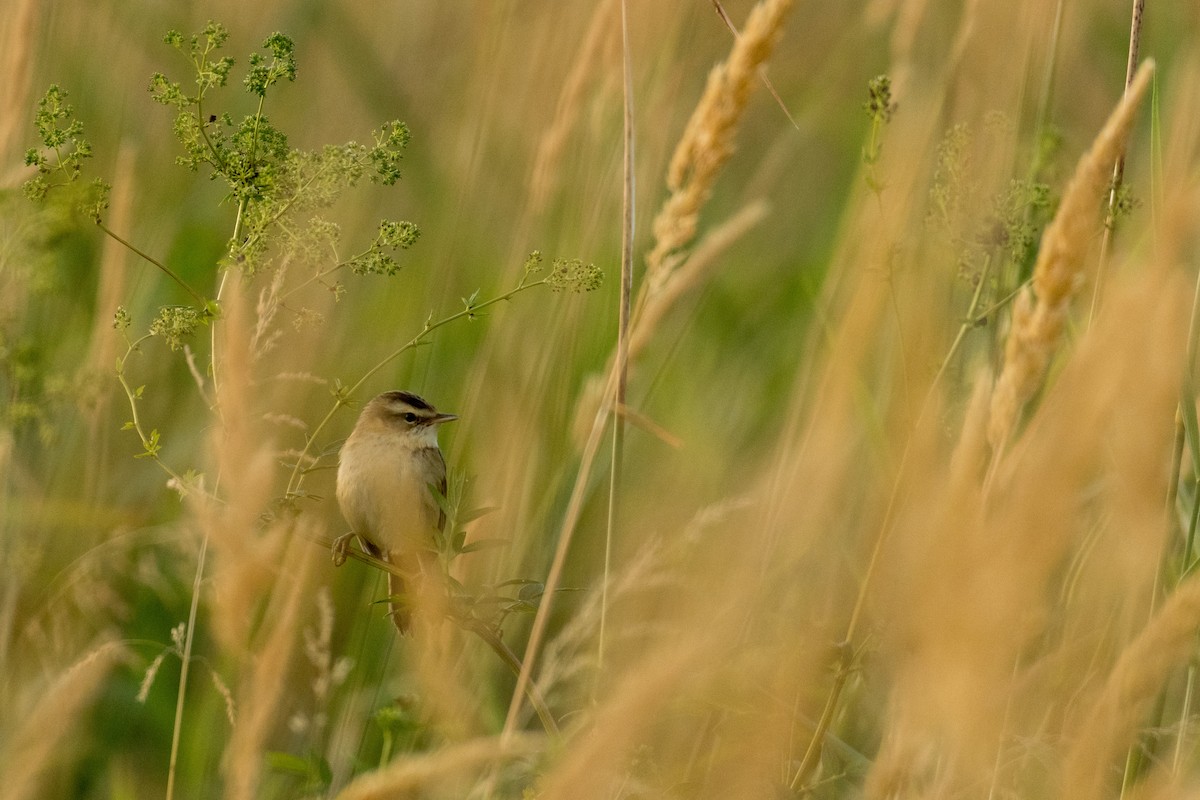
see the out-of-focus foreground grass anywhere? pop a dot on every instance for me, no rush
(908, 493)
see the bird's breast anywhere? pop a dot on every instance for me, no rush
(384, 494)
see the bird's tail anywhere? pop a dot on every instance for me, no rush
(401, 611)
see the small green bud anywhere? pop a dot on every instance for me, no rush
(402, 235)
(879, 103)
(534, 262)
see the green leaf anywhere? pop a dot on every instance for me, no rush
(288, 763)
(440, 498)
(151, 446)
(518, 582)
(484, 544)
(473, 514)
(398, 718)
(532, 591)
(521, 607)
(313, 770)
(1191, 426)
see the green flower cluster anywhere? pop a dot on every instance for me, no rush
(573, 275)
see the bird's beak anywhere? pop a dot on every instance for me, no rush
(440, 418)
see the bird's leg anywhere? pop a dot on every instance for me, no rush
(341, 547)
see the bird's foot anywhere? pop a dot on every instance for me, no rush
(341, 547)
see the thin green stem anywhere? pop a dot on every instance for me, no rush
(285, 206)
(513, 662)
(149, 445)
(324, 273)
(1185, 715)
(1118, 173)
(1189, 559)
(262, 99)
(217, 163)
(213, 364)
(969, 322)
(1047, 92)
(169, 272)
(1173, 486)
(297, 475)
(999, 304)
(475, 626)
(200, 563)
(565, 535)
(812, 753)
(624, 303)
(132, 347)
(185, 669)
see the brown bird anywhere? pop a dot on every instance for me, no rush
(386, 475)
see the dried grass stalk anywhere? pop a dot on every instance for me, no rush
(970, 453)
(1040, 312)
(1130, 691)
(40, 738)
(692, 272)
(260, 695)
(96, 368)
(546, 169)
(1017, 600)
(14, 100)
(404, 777)
(103, 348)
(630, 709)
(707, 141)
(704, 147)
(246, 557)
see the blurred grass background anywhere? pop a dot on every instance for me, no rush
(506, 158)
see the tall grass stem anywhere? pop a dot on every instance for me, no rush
(623, 306)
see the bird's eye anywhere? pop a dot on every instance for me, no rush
(410, 417)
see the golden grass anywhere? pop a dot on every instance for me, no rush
(822, 588)
(982, 604)
(105, 343)
(1040, 312)
(706, 144)
(40, 736)
(261, 696)
(439, 770)
(544, 176)
(1129, 692)
(20, 33)
(691, 273)
(708, 140)
(247, 560)
(687, 277)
